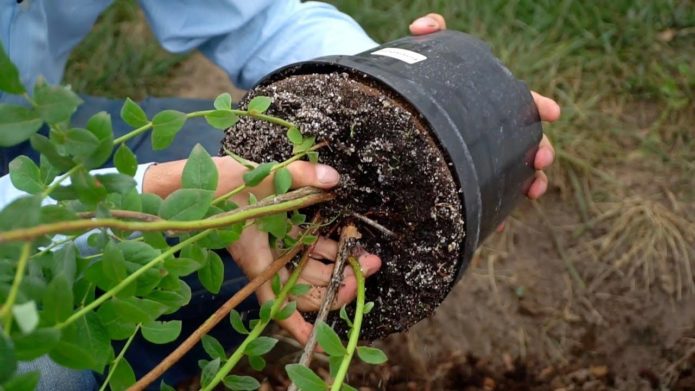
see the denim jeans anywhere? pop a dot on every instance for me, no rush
(143, 355)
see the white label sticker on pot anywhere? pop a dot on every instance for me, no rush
(404, 55)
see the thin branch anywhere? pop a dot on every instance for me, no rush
(303, 197)
(6, 311)
(117, 360)
(346, 245)
(123, 214)
(218, 316)
(260, 326)
(355, 330)
(374, 224)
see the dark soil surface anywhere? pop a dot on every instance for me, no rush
(391, 172)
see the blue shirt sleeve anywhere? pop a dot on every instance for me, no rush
(249, 39)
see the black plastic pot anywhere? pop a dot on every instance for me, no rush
(484, 119)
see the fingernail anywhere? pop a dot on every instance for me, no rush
(327, 175)
(424, 22)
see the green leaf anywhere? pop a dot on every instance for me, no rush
(286, 311)
(41, 144)
(48, 172)
(113, 263)
(274, 224)
(347, 387)
(256, 176)
(23, 212)
(117, 183)
(334, 364)
(329, 340)
(9, 75)
(36, 344)
(368, 307)
(100, 126)
(371, 355)
(8, 361)
(80, 143)
(297, 218)
(237, 322)
(221, 119)
(123, 376)
(264, 312)
(17, 124)
(165, 387)
(84, 344)
(57, 300)
(209, 372)
(212, 274)
(166, 125)
(241, 383)
(306, 144)
(182, 267)
(137, 310)
(161, 332)
(173, 299)
(282, 180)
(252, 199)
(276, 284)
(89, 191)
(26, 316)
(213, 347)
(125, 160)
(309, 239)
(259, 104)
(186, 204)
(200, 171)
(260, 346)
(256, 362)
(55, 104)
(116, 328)
(313, 156)
(305, 378)
(344, 316)
(133, 114)
(223, 101)
(195, 252)
(23, 382)
(151, 203)
(25, 175)
(294, 135)
(300, 289)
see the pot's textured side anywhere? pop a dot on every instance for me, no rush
(483, 117)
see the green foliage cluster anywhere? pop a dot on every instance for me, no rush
(71, 305)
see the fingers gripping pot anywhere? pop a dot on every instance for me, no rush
(482, 121)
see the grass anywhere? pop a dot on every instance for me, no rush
(622, 71)
(121, 57)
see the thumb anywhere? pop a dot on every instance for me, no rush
(310, 174)
(428, 24)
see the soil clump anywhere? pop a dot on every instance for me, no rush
(391, 172)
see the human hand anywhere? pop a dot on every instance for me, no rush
(252, 252)
(548, 109)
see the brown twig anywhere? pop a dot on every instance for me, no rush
(346, 245)
(374, 224)
(214, 319)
